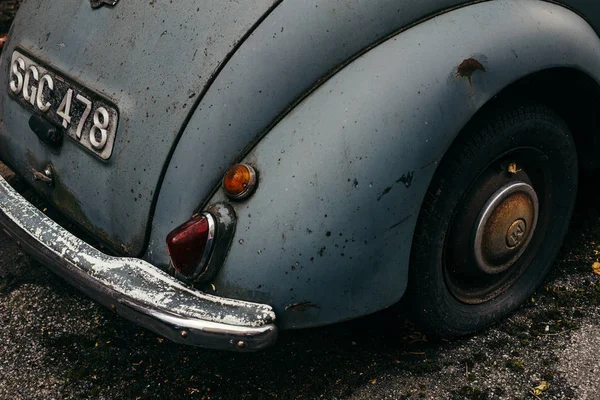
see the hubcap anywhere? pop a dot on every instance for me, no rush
(505, 227)
(497, 226)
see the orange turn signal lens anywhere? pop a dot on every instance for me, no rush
(240, 181)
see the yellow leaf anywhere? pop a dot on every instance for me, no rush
(541, 388)
(596, 268)
(512, 168)
(374, 381)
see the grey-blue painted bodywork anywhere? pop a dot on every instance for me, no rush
(153, 59)
(327, 235)
(342, 176)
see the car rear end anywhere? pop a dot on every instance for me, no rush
(92, 100)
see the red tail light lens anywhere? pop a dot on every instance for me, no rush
(190, 244)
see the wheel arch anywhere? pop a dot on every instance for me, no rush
(570, 92)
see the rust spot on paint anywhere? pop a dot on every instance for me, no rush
(301, 306)
(467, 68)
(386, 191)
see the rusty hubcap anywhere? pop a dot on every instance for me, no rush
(505, 227)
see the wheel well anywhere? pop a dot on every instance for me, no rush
(573, 95)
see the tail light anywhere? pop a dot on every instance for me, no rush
(190, 244)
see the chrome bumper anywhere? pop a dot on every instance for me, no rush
(136, 289)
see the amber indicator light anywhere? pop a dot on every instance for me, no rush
(240, 181)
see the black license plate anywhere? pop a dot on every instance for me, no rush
(87, 117)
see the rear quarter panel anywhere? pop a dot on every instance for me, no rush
(327, 236)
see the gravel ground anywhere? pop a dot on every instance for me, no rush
(57, 344)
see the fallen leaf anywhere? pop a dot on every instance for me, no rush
(596, 268)
(541, 388)
(374, 381)
(512, 168)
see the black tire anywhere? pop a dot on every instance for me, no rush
(440, 271)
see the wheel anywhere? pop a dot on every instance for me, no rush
(492, 220)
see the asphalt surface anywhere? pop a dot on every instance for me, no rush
(57, 344)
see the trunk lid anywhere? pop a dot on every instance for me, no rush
(152, 60)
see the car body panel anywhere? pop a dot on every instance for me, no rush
(295, 49)
(153, 59)
(298, 46)
(327, 235)
(340, 107)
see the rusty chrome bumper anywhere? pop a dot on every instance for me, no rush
(136, 289)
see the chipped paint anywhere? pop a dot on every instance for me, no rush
(385, 191)
(224, 215)
(406, 179)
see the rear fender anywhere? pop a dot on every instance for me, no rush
(327, 235)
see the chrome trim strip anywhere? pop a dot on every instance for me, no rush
(209, 240)
(488, 210)
(206, 254)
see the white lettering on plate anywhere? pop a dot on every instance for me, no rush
(18, 85)
(46, 81)
(99, 127)
(32, 70)
(64, 109)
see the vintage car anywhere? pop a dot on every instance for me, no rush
(228, 169)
